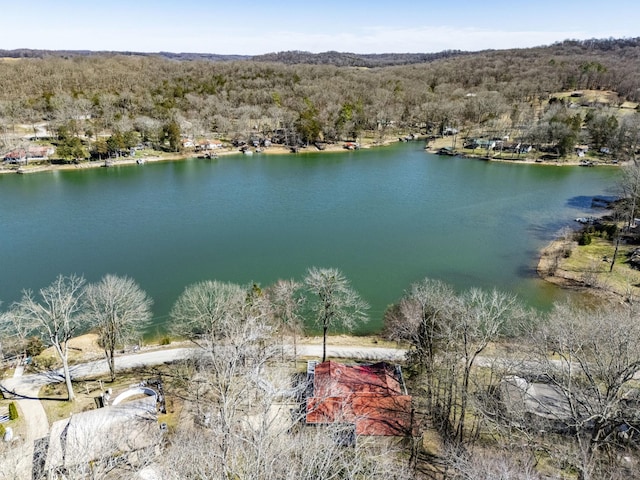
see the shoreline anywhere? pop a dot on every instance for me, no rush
(178, 156)
(440, 143)
(282, 150)
(593, 276)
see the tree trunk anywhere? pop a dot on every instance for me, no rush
(112, 363)
(615, 254)
(324, 343)
(67, 378)
(62, 353)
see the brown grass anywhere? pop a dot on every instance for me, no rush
(81, 349)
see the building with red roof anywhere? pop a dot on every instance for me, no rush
(371, 397)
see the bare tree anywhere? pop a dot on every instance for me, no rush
(13, 333)
(629, 185)
(286, 300)
(119, 309)
(447, 333)
(485, 318)
(206, 311)
(333, 301)
(57, 313)
(265, 449)
(231, 324)
(590, 359)
(481, 465)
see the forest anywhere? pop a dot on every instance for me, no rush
(83, 99)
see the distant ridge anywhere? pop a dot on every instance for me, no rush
(33, 53)
(340, 59)
(345, 59)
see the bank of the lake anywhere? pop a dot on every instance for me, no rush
(145, 157)
(587, 269)
(386, 217)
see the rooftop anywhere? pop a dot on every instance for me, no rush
(371, 397)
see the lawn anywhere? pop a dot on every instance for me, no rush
(590, 265)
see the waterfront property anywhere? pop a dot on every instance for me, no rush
(372, 398)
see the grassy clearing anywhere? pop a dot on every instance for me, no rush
(589, 265)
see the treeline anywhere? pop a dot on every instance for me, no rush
(38, 53)
(344, 59)
(485, 94)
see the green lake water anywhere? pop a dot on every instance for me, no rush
(386, 217)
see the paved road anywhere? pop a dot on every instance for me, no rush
(37, 425)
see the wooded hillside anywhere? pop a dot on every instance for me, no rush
(330, 96)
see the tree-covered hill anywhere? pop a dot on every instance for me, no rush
(313, 97)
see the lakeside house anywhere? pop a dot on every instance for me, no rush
(23, 155)
(206, 145)
(110, 433)
(538, 405)
(371, 398)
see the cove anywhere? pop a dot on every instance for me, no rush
(386, 217)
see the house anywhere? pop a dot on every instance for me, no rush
(372, 398)
(39, 153)
(187, 143)
(481, 143)
(114, 431)
(23, 155)
(581, 150)
(206, 145)
(535, 404)
(18, 155)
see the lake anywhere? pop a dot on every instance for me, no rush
(386, 217)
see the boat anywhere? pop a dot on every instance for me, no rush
(447, 151)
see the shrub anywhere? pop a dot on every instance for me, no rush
(34, 346)
(611, 230)
(2, 431)
(166, 340)
(13, 411)
(44, 362)
(584, 239)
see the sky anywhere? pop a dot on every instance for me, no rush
(251, 27)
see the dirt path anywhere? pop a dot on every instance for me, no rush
(37, 426)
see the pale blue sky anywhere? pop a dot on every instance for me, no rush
(252, 27)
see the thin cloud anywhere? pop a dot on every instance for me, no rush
(229, 40)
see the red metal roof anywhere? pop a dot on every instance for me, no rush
(369, 396)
